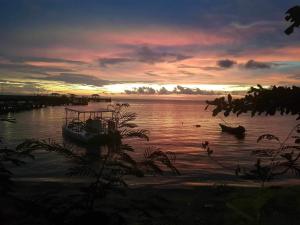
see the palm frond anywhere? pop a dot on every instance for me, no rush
(32, 145)
(127, 158)
(128, 125)
(127, 116)
(126, 147)
(151, 166)
(156, 155)
(143, 134)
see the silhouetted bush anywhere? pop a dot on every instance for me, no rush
(103, 175)
(260, 101)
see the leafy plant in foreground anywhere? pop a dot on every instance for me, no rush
(107, 171)
(9, 157)
(270, 164)
(273, 162)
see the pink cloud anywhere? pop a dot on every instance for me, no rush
(159, 36)
(290, 53)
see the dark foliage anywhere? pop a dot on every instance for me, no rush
(125, 122)
(102, 173)
(259, 101)
(271, 163)
(293, 16)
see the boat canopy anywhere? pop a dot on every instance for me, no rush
(88, 125)
(84, 115)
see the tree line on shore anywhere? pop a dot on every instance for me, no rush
(145, 90)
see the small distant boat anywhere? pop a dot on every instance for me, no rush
(90, 127)
(237, 131)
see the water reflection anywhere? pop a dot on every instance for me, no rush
(172, 127)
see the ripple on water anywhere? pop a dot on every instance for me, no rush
(172, 127)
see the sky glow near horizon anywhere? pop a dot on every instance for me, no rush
(110, 46)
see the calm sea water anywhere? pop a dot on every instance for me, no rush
(172, 128)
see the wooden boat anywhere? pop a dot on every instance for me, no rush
(89, 127)
(238, 131)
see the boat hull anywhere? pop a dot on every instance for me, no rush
(237, 131)
(87, 138)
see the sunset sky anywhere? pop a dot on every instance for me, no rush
(94, 46)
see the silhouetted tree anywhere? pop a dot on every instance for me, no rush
(293, 16)
(260, 100)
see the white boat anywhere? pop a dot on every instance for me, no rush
(90, 126)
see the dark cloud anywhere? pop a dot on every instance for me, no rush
(187, 73)
(147, 55)
(226, 63)
(74, 78)
(20, 65)
(183, 66)
(17, 59)
(83, 79)
(104, 62)
(208, 68)
(30, 69)
(152, 74)
(252, 64)
(211, 68)
(221, 65)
